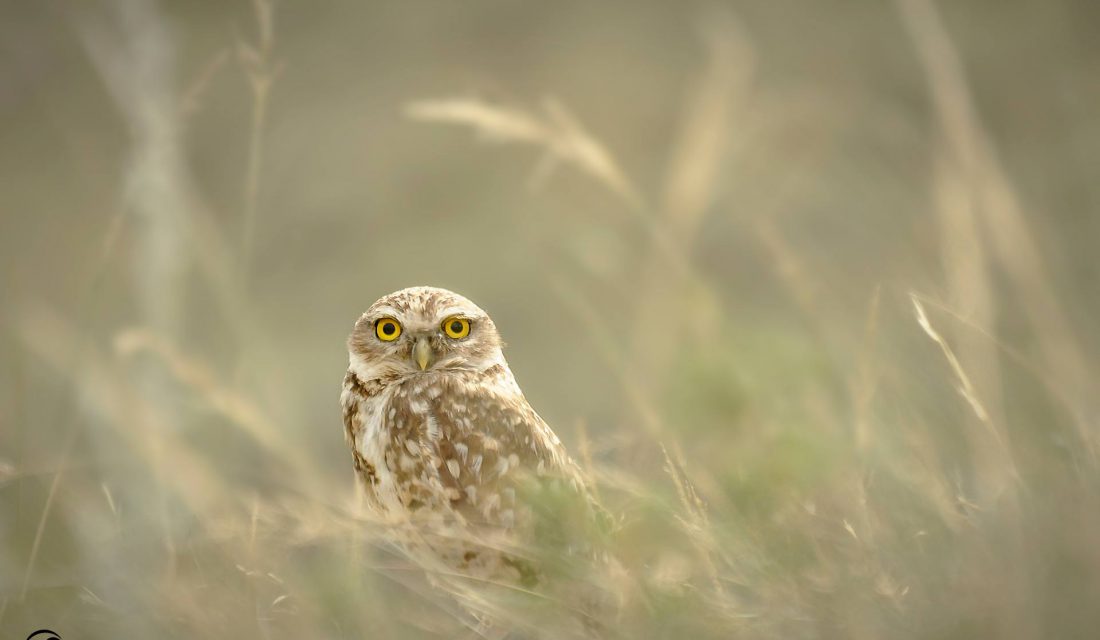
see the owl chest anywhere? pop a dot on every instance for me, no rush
(396, 445)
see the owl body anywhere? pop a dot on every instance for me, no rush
(442, 438)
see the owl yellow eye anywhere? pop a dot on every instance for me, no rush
(387, 329)
(456, 327)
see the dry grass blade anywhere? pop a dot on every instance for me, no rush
(136, 59)
(32, 559)
(863, 388)
(494, 123)
(562, 139)
(556, 131)
(696, 525)
(689, 194)
(788, 263)
(999, 209)
(1038, 372)
(191, 102)
(640, 404)
(965, 388)
(1003, 456)
(262, 69)
(703, 136)
(239, 409)
(113, 399)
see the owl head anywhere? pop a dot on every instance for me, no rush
(422, 330)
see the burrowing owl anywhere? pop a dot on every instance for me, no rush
(445, 444)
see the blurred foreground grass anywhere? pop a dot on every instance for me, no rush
(831, 371)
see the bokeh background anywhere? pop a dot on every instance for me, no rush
(811, 291)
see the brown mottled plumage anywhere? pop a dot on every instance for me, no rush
(444, 442)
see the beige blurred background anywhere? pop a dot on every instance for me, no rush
(712, 229)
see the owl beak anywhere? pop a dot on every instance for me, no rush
(422, 353)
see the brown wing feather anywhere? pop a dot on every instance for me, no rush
(466, 444)
(355, 392)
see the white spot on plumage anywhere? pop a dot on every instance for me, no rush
(491, 503)
(452, 466)
(432, 427)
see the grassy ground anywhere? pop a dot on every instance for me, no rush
(811, 294)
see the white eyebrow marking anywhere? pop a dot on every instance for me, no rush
(457, 311)
(385, 312)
